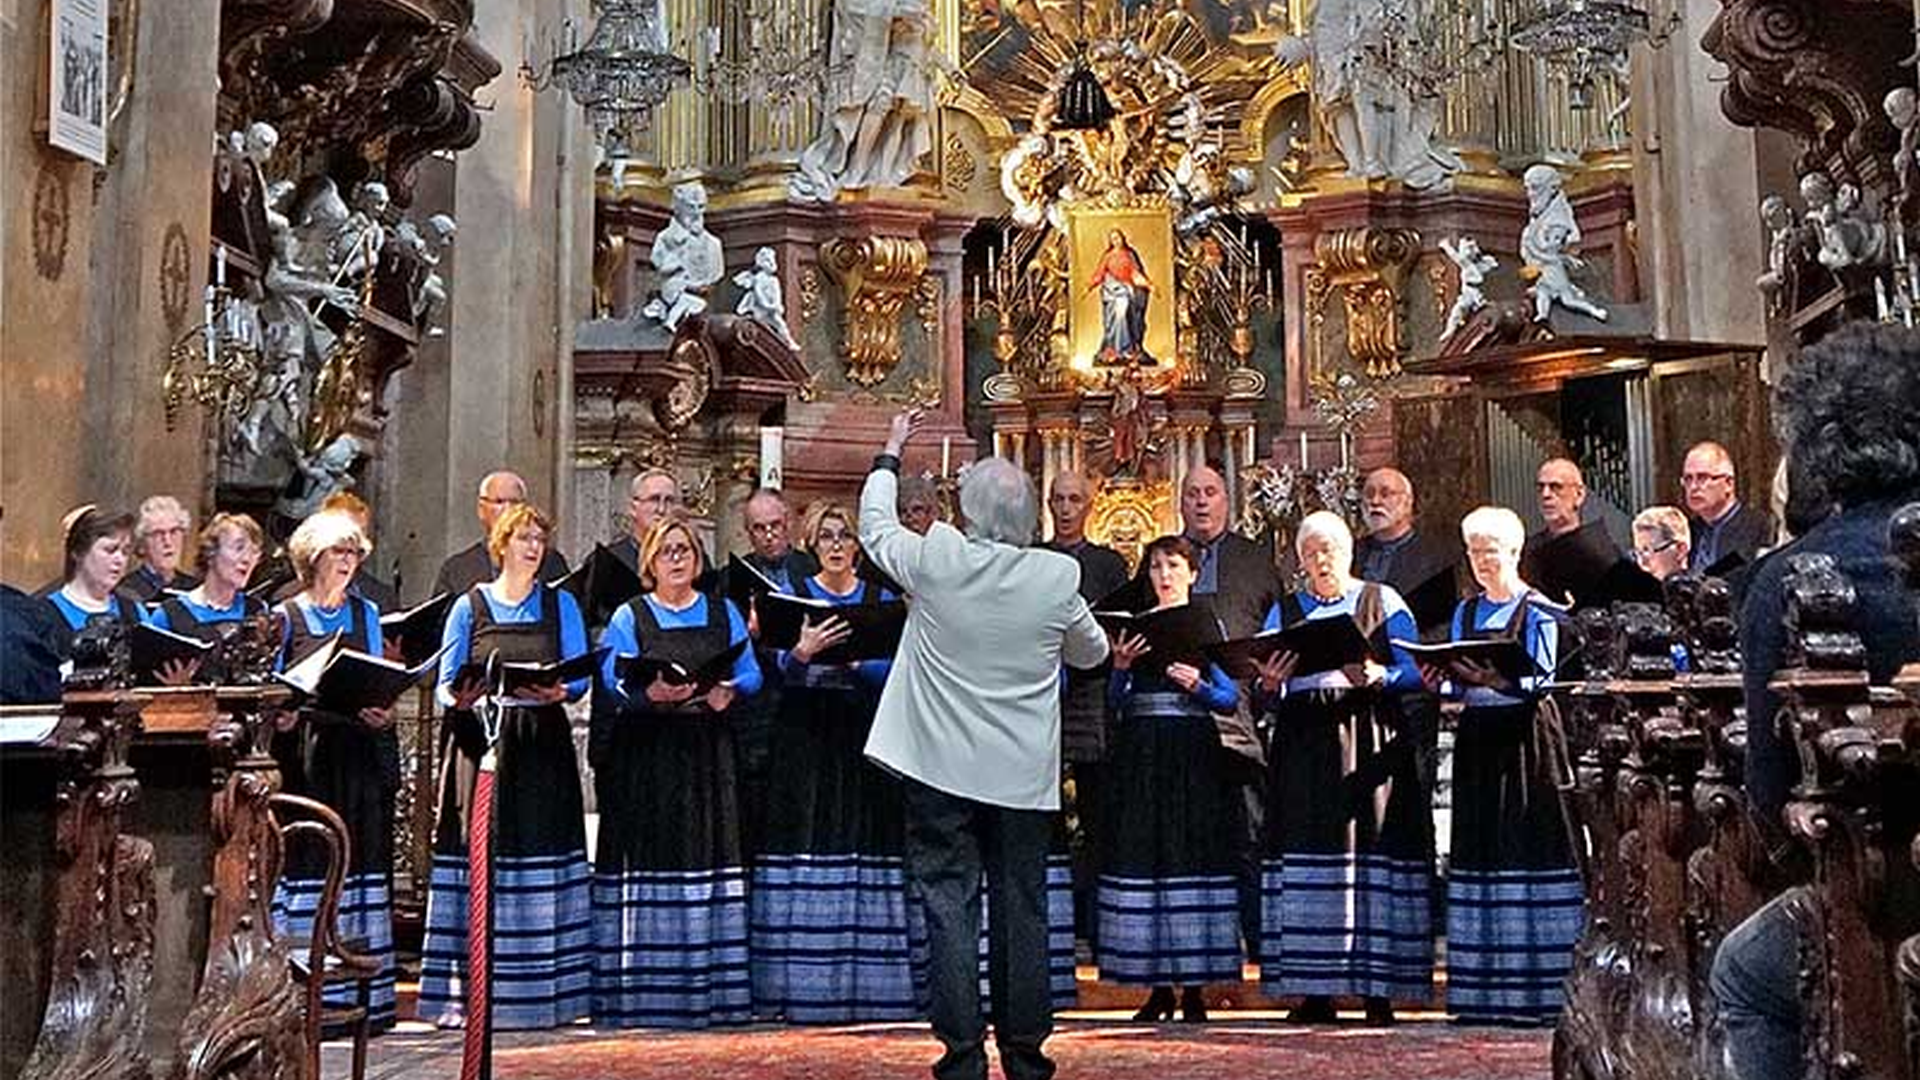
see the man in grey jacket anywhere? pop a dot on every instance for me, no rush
(970, 720)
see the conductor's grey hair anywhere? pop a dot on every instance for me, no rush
(998, 501)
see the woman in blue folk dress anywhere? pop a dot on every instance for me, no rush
(98, 549)
(350, 763)
(1169, 908)
(831, 942)
(229, 550)
(670, 878)
(542, 957)
(1515, 904)
(1349, 863)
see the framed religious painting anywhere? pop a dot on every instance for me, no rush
(1120, 286)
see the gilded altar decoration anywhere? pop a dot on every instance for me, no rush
(878, 275)
(1127, 514)
(1368, 267)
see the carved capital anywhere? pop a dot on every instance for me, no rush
(1368, 266)
(878, 275)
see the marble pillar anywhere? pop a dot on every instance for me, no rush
(104, 269)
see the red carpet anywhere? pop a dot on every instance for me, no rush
(1235, 1050)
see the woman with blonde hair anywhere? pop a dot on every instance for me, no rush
(541, 933)
(830, 936)
(669, 876)
(351, 763)
(1515, 903)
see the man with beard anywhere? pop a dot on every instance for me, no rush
(1421, 567)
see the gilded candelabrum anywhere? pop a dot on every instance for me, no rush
(217, 364)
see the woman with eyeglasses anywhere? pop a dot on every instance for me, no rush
(830, 934)
(351, 763)
(1515, 902)
(542, 937)
(1662, 541)
(669, 878)
(229, 549)
(96, 544)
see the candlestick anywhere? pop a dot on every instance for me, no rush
(946, 456)
(220, 264)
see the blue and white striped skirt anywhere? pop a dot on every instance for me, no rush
(1510, 938)
(670, 948)
(364, 922)
(542, 940)
(832, 939)
(1345, 923)
(1169, 930)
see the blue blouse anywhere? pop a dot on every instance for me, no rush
(1403, 674)
(1541, 634)
(326, 622)
(77, 616)
(623, 638)
(458, 637)
(872, 672)
(1216, 691)
(233, 612)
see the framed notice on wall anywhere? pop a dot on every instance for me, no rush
(77, 96)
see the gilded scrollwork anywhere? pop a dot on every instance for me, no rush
(877, 274)
(809, 294)
(1369, 267)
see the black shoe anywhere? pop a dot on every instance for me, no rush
(1193, 1007)
(1379, 1011)
(1159, 1006)
(1312, 1010)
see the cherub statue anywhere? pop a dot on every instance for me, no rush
(1023, 176)
(687, 258)
(325, 473)
(1474, 266)
(424, 252)
(1548, 244)
(357, 246)
(1202, 189)
(760, 298)
(1903, 109)
(1782, 235)
(1848, 236)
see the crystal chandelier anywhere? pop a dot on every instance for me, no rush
(1583, 38)
(767, 52)
(620, 75)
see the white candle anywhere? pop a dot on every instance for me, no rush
(976, 294)
(1303, 451)
(772, 451)
(1346, 450)
(946, 456)
(220, 265)
(213, 334)
(991, 264)
(1256, 260)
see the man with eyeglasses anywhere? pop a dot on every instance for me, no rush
(1570, 559)
(1722, 527)
(652, 495)
(469, 567)
(771, 552)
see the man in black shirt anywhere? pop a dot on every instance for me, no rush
(1721, 526)
(1569, 560)
(653, 494)
(1083, 699)
(467, 568)
(1421, 566)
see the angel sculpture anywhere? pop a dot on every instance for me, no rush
(1474, 266)
(760, 296)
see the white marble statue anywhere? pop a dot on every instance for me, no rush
(293, 340)
(323, 474)
(687, 259)
(1474, 266)
(760, 296)
(1783, 237)
(1383, 128)
(357, 246)
(1847, 236)
(1548, 246)
(877, 119)
(423, 252)
(1202, 188)
(1903, 110)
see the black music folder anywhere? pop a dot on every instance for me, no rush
(600, 584)
(744, 582)
(152, 648)
(1179, 634)
(1323, 644)
(523, 675)
(875, 628)
(1504, 654)
(636, 673)
(341, 680)
(419, 628)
